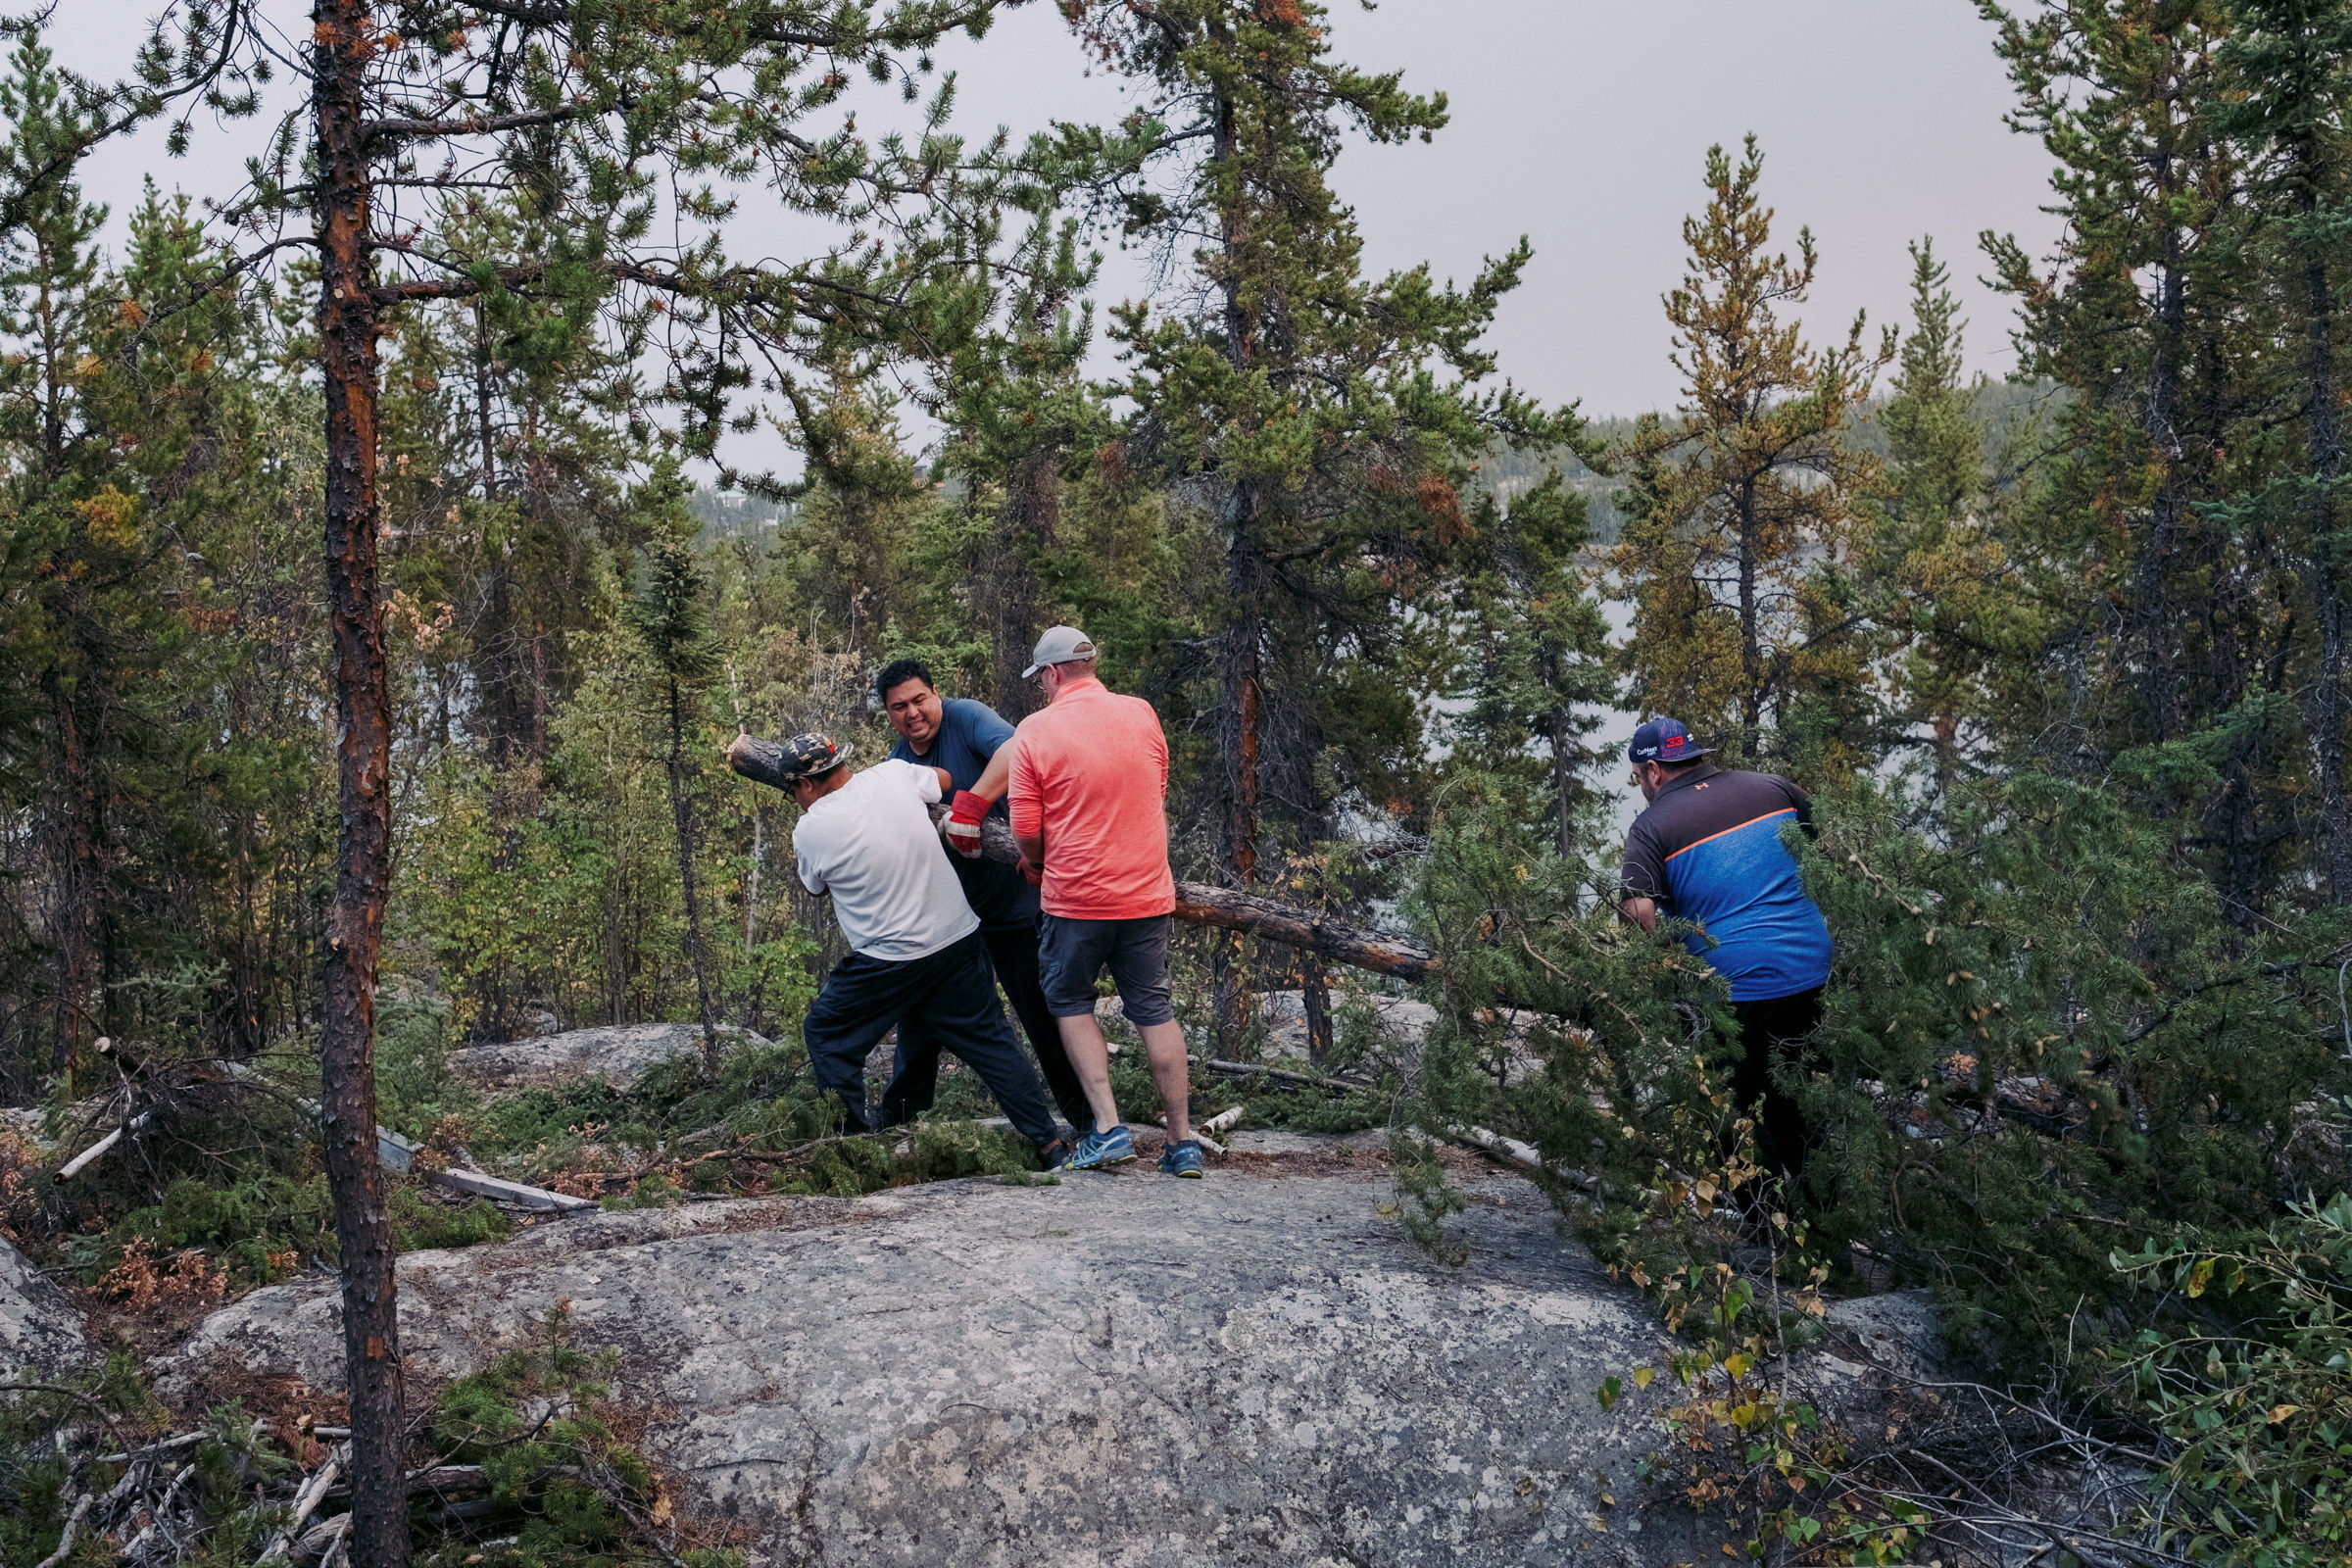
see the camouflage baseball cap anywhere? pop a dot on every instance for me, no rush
(808, 753)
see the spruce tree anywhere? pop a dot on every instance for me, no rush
(1534, 671)
(1317, 420)
(1935, 568)
(672, 616)
(1745, 523)
(75, 533)
(2288, 64)
(2164, 589)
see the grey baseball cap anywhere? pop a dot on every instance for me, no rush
(1060, 645)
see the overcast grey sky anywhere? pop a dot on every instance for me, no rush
(1583, 124)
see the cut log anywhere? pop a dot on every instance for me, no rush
(306, 1502)
(1340, 941)
(1200, 1136)
(1361, 947)
(323, 1534)
(1511, 1152)
(73, 1168)
(499, 1189)
(398, 1154)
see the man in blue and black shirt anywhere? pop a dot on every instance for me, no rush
(1708, 851)
(961, 736)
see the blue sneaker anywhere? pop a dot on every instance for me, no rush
(1099, 1150)
(1182, 1159)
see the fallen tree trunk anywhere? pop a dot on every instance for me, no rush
(399, 1154)
(1362, 947)
(73, 1168)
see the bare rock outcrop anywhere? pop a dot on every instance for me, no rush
(1401, 1020)
(622, 1054)
(40, 1331)
(1121, 1369)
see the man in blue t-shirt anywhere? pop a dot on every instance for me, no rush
(959, 736)
(1708, 851)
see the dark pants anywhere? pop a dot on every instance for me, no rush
(950, 996)
(1012, 953)
(1779, 1028)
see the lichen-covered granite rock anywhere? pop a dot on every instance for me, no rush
(1123, 1369)
(622, 1054)
(40, 1331)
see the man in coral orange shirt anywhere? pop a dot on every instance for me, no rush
(1087, 784)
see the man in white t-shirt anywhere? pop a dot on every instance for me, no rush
(865, 841)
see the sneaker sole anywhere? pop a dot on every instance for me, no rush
(1101, 1164)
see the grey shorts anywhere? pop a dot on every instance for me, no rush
(1070, 953)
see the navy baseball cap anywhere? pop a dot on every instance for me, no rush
(1665, 740)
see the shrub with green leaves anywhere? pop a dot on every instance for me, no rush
(2254, 1389)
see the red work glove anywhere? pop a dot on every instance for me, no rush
(964, 822)
(1032, 873)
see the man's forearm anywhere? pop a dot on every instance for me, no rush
(1643, 912)
(997, 777)
(1033, 847)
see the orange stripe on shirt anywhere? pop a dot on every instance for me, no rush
(1786, 810)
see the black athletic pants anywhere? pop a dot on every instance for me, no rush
(1779, 1028)
(1012, 953)
(950, 998)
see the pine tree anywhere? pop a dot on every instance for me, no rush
(575, 115)
(217, 752)
(1746, 518)
(852, 542)
(1023, 423)
(49, 259)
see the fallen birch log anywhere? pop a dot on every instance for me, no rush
(399, 1154)
(306, 1502)
(1511, 1152)
(73, 1168)
(1361, 947)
